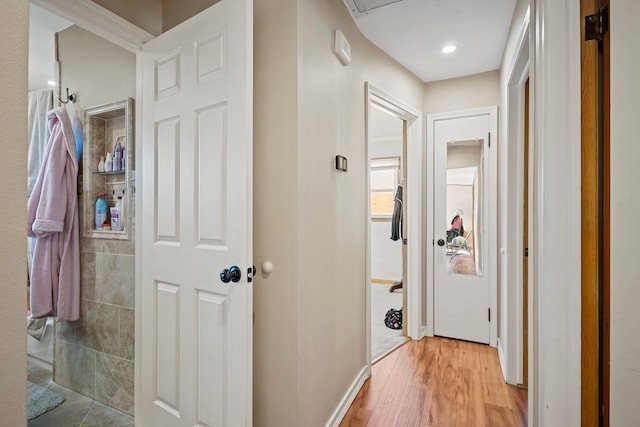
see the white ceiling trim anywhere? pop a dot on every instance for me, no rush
(100, 21)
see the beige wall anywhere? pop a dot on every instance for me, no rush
(146, 14)
(14, 38)
(478, 90)
(275, 235)
(625, 199)
(177, 11)
(99, 71)
(309, 338)
(331, 205)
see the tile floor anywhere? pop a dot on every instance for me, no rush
(77, 410)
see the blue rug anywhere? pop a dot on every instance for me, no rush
(41, 400)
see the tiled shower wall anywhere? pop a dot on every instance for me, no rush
(94, 355)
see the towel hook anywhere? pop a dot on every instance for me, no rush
(70, 98)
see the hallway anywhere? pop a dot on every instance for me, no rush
(438, 382)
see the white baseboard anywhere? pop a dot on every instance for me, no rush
(423, 331)
(348, 398)
(503, 362)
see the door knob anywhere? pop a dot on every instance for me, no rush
(440, 242)
(233, 274)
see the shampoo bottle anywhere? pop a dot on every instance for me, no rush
(117, 215)
(108, 165)
(101, 211)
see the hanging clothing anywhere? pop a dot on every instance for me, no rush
(396, 218)
(40, 102)
(52, 217)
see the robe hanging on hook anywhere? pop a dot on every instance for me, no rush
(70, 98)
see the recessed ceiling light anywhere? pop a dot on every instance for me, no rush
(448, 49)
(51, 83)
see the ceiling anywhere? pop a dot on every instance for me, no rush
(42, 27)
(413, 32)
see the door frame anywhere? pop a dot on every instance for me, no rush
(510, 343)
(111, 27)
(492, 175)
(415, 152)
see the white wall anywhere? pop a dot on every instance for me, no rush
(14, 36)
(555, 303)
(625, 199)
(386, 255)
(510, 157)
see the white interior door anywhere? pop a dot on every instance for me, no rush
(462, 292)
(196, 331)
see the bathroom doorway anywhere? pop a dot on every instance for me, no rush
(90, 361)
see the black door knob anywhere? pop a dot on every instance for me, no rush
(233, 274)
(440, 242)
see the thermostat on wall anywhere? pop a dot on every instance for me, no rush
(341, 48)
(341, 163)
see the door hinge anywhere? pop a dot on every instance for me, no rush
(526, 252)
(596, 25)
(489, 314)
(489, 139)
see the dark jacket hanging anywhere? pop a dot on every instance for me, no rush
(396, 219)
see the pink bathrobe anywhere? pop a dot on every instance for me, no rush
(53, 220)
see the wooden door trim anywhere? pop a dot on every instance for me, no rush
(595, 229)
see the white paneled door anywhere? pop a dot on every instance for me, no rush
(196, 329)
(463, 224)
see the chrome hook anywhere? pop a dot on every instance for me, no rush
(70, 98)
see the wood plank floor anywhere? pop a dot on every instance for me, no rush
(438, 382)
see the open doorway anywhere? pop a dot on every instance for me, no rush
(393, 136)
(88, 362)
(388, 259)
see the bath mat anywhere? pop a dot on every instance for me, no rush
(41, 400)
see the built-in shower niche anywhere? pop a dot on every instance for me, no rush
(105, 125)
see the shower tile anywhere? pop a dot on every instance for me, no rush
(75, 367)
(66, 330)
(105, 328)
(115, 279)
(127, 333)
(86, 325)
(122, 247)
(99, 413)
(88, 275)
(114, 382)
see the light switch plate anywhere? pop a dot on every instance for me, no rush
(342, 48)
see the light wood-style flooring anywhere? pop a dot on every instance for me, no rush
(438, 382)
